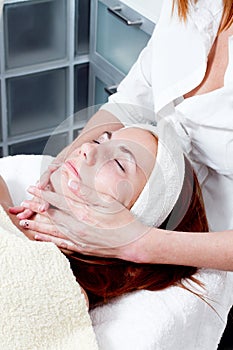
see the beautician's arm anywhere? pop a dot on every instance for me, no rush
(205, 250)
(209, 249)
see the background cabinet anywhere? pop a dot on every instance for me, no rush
(44, 55)
(118, 34)
(50, 71)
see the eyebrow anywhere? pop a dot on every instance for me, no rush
(109, 134)
(126, 150)
(122, 148)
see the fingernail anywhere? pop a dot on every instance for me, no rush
(72, 184)
(24, 223)
(23, 204)
(63, 245)
(31, 189)
(42, 208)
(37, 237)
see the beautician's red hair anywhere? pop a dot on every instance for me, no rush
(183, 8)
(105, 278)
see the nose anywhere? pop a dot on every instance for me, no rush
(88, 152)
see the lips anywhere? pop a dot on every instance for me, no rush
(72, 168)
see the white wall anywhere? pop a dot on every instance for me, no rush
(148, 8)
(1, 4)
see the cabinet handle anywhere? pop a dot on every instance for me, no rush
(111, 89)
(116, 11)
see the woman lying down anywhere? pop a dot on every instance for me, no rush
(144, 169)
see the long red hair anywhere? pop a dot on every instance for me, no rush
(104, 278)
(227, 19)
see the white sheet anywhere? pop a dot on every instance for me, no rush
(173, 319)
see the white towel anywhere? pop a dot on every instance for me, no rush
(164, 185)
(21, 171)
(172, 319)
(41, 304)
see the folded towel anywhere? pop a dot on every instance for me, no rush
(172, 319)
(41, 304)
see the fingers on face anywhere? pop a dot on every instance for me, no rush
(83, 195)
(77, 216)
(35, 206)
(16, 210)
(62, 243)
(45, 178)
(46, 228)
(89, 195)
(26, 214)
(55, 199)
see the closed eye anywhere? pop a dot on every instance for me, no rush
(96, 141)
(103, 137)
(120, 165)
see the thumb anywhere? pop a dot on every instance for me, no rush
(45, 177)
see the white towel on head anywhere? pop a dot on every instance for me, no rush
(164, 185)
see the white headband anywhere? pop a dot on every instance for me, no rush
(164, 185)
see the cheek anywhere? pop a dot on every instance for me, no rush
(110, 182)
(126, 192)
(105, 181)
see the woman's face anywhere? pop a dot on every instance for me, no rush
(117, 164)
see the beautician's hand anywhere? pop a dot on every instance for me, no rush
(23, 211)
(91, 223)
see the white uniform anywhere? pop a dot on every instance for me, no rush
(173, 63)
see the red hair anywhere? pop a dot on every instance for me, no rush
(227, 19)
(104, 278)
